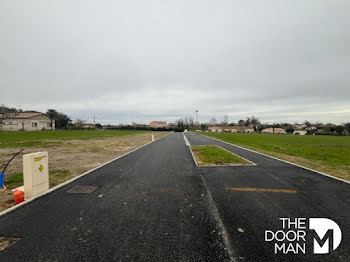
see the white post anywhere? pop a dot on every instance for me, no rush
(35, 174)
(152, 137)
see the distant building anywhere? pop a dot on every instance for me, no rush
(89, 126)
(215, 128)
(158, 124)
(301, 132)
(27, 121)
(275, 130)
(233, 129)
(242, 129)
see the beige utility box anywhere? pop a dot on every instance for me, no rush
(35, 174)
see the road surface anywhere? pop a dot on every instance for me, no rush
(155, 204)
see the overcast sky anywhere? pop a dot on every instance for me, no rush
(125, 61)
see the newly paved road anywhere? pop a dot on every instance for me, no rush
(156, 205)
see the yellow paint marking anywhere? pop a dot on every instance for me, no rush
(41, 168)
(240, 230)
(37, 159)
(268, 190)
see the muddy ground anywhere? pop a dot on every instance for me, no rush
(73, 157)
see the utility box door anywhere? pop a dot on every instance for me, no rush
(35, 174)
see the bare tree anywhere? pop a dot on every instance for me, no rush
(225, 120)
(191, 122)
(213, 121)
(255, 122)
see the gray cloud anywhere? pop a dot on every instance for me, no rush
(125, 61)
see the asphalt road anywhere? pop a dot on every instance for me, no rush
(155, 204)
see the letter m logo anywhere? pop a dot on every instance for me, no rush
(328, 235)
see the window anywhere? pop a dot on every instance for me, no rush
(34, 124)
(48, 124)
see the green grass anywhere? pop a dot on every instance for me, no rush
(325, 153)
(214, 155)
(44, 138)
(14, 181)
(55, 177)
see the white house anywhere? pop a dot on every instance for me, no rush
(27, 121)
(301, 132)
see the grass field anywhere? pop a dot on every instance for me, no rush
(214, 155)
(329, 154)
(42, 138)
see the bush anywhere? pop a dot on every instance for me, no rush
(290, 130)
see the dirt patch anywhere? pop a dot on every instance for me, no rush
(73, 157)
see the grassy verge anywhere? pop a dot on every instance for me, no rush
(47, 138)
(329, 154)
(56, 177)
(214, 155)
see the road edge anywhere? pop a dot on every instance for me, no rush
(285, 161)
(6, 211)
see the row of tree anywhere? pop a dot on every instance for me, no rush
(317, 127)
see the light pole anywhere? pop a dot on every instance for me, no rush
(196, 111)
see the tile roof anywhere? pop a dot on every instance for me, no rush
(22, 115)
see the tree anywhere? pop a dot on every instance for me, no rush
(307, 123)
(191, 123)
(347, 128)
(290, 130)
(180, 122)
(98, 126)
(225, 120)
(241, 122)
(61, 119)
(339, 129)
(255, 122)
(52, 114)
(204, 126)
(213, 121)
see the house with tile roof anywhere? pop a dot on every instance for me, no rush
(25, 121)
(158, 124)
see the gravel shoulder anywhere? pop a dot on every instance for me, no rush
(73, 157)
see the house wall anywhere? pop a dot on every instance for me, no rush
(280, 131)
(276, 131)
(32, 124)
(215, 129)
(300, 132)
(232, 129)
